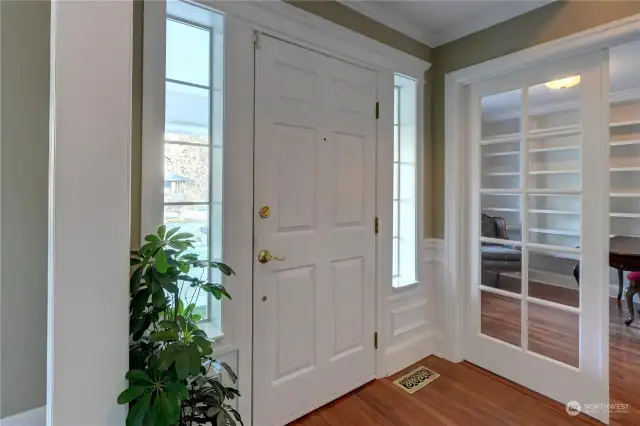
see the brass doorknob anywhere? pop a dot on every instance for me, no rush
(264, 257)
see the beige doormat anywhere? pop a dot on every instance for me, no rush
(416, 380)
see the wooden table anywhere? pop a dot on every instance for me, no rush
(624, 255)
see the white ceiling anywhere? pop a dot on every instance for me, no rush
(435, 22)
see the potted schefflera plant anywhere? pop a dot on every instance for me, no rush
(174, 377)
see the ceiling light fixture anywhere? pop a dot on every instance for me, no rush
(563, 83)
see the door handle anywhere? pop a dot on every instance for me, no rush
(264, 256)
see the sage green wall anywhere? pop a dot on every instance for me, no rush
(329, 10)
(24, 165)
(553, 21)
(339, 14)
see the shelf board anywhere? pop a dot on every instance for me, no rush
(533, 151)
(503, 174)
(553, 172)
(501, 154)
(625, 194)
(511, 137)
(501, 209)
(554, 131)
(625, 215)
(554, 149)
(549, 211)
(624, 143)
(555, 232)
(625, 123)
(625, 169)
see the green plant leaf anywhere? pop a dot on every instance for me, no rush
(182, 236)
(131, 393)
(181, 322)
(139, 302)
(133, 261)
(229, 371)
(178, 390)
(161, 261)
(171, 232)
(158, 299)
(138, 411)
(163, 336)
(204, 344)
(169, 286)
(138, 376)
(153, 414)
(162, 229)
(168, 356)
(134, 282)
(224, 268)
(182, 364)
(171, 325)
(221, 419)
(152, 238)
(179, 245)
(137, 324)
(195, 360)
(168, 407)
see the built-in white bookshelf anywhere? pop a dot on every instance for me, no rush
(547, 142)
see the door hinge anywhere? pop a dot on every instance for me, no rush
(376, 225)
(377, 110)
(375, 340)
(257, 36)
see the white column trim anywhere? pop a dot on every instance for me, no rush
(89, 211)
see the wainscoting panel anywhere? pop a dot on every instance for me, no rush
(412, 313)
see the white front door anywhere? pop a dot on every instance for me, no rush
(314, 300)
(539, 206)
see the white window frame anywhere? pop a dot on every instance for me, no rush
(407, 222)
(153, 202)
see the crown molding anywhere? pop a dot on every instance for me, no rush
(371, 10)
(493, 17)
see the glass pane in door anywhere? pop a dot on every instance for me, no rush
(500, 317)
(500, 216)
(553, 212)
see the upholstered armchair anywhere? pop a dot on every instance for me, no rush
(497, 258)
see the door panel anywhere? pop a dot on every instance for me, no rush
(314, 310)
(539, 179)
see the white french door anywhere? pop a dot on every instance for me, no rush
(539, 206)
(314, 201)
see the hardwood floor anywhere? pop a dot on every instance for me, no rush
(462, 395)
(467, 395)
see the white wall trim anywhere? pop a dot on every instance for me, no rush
(423, 34)
(371, 10)
(283, 20)
(35, 417)
(456, 203)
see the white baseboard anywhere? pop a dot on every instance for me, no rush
(35, 417)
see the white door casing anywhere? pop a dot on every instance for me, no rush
(587, 383)
(314, 311)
